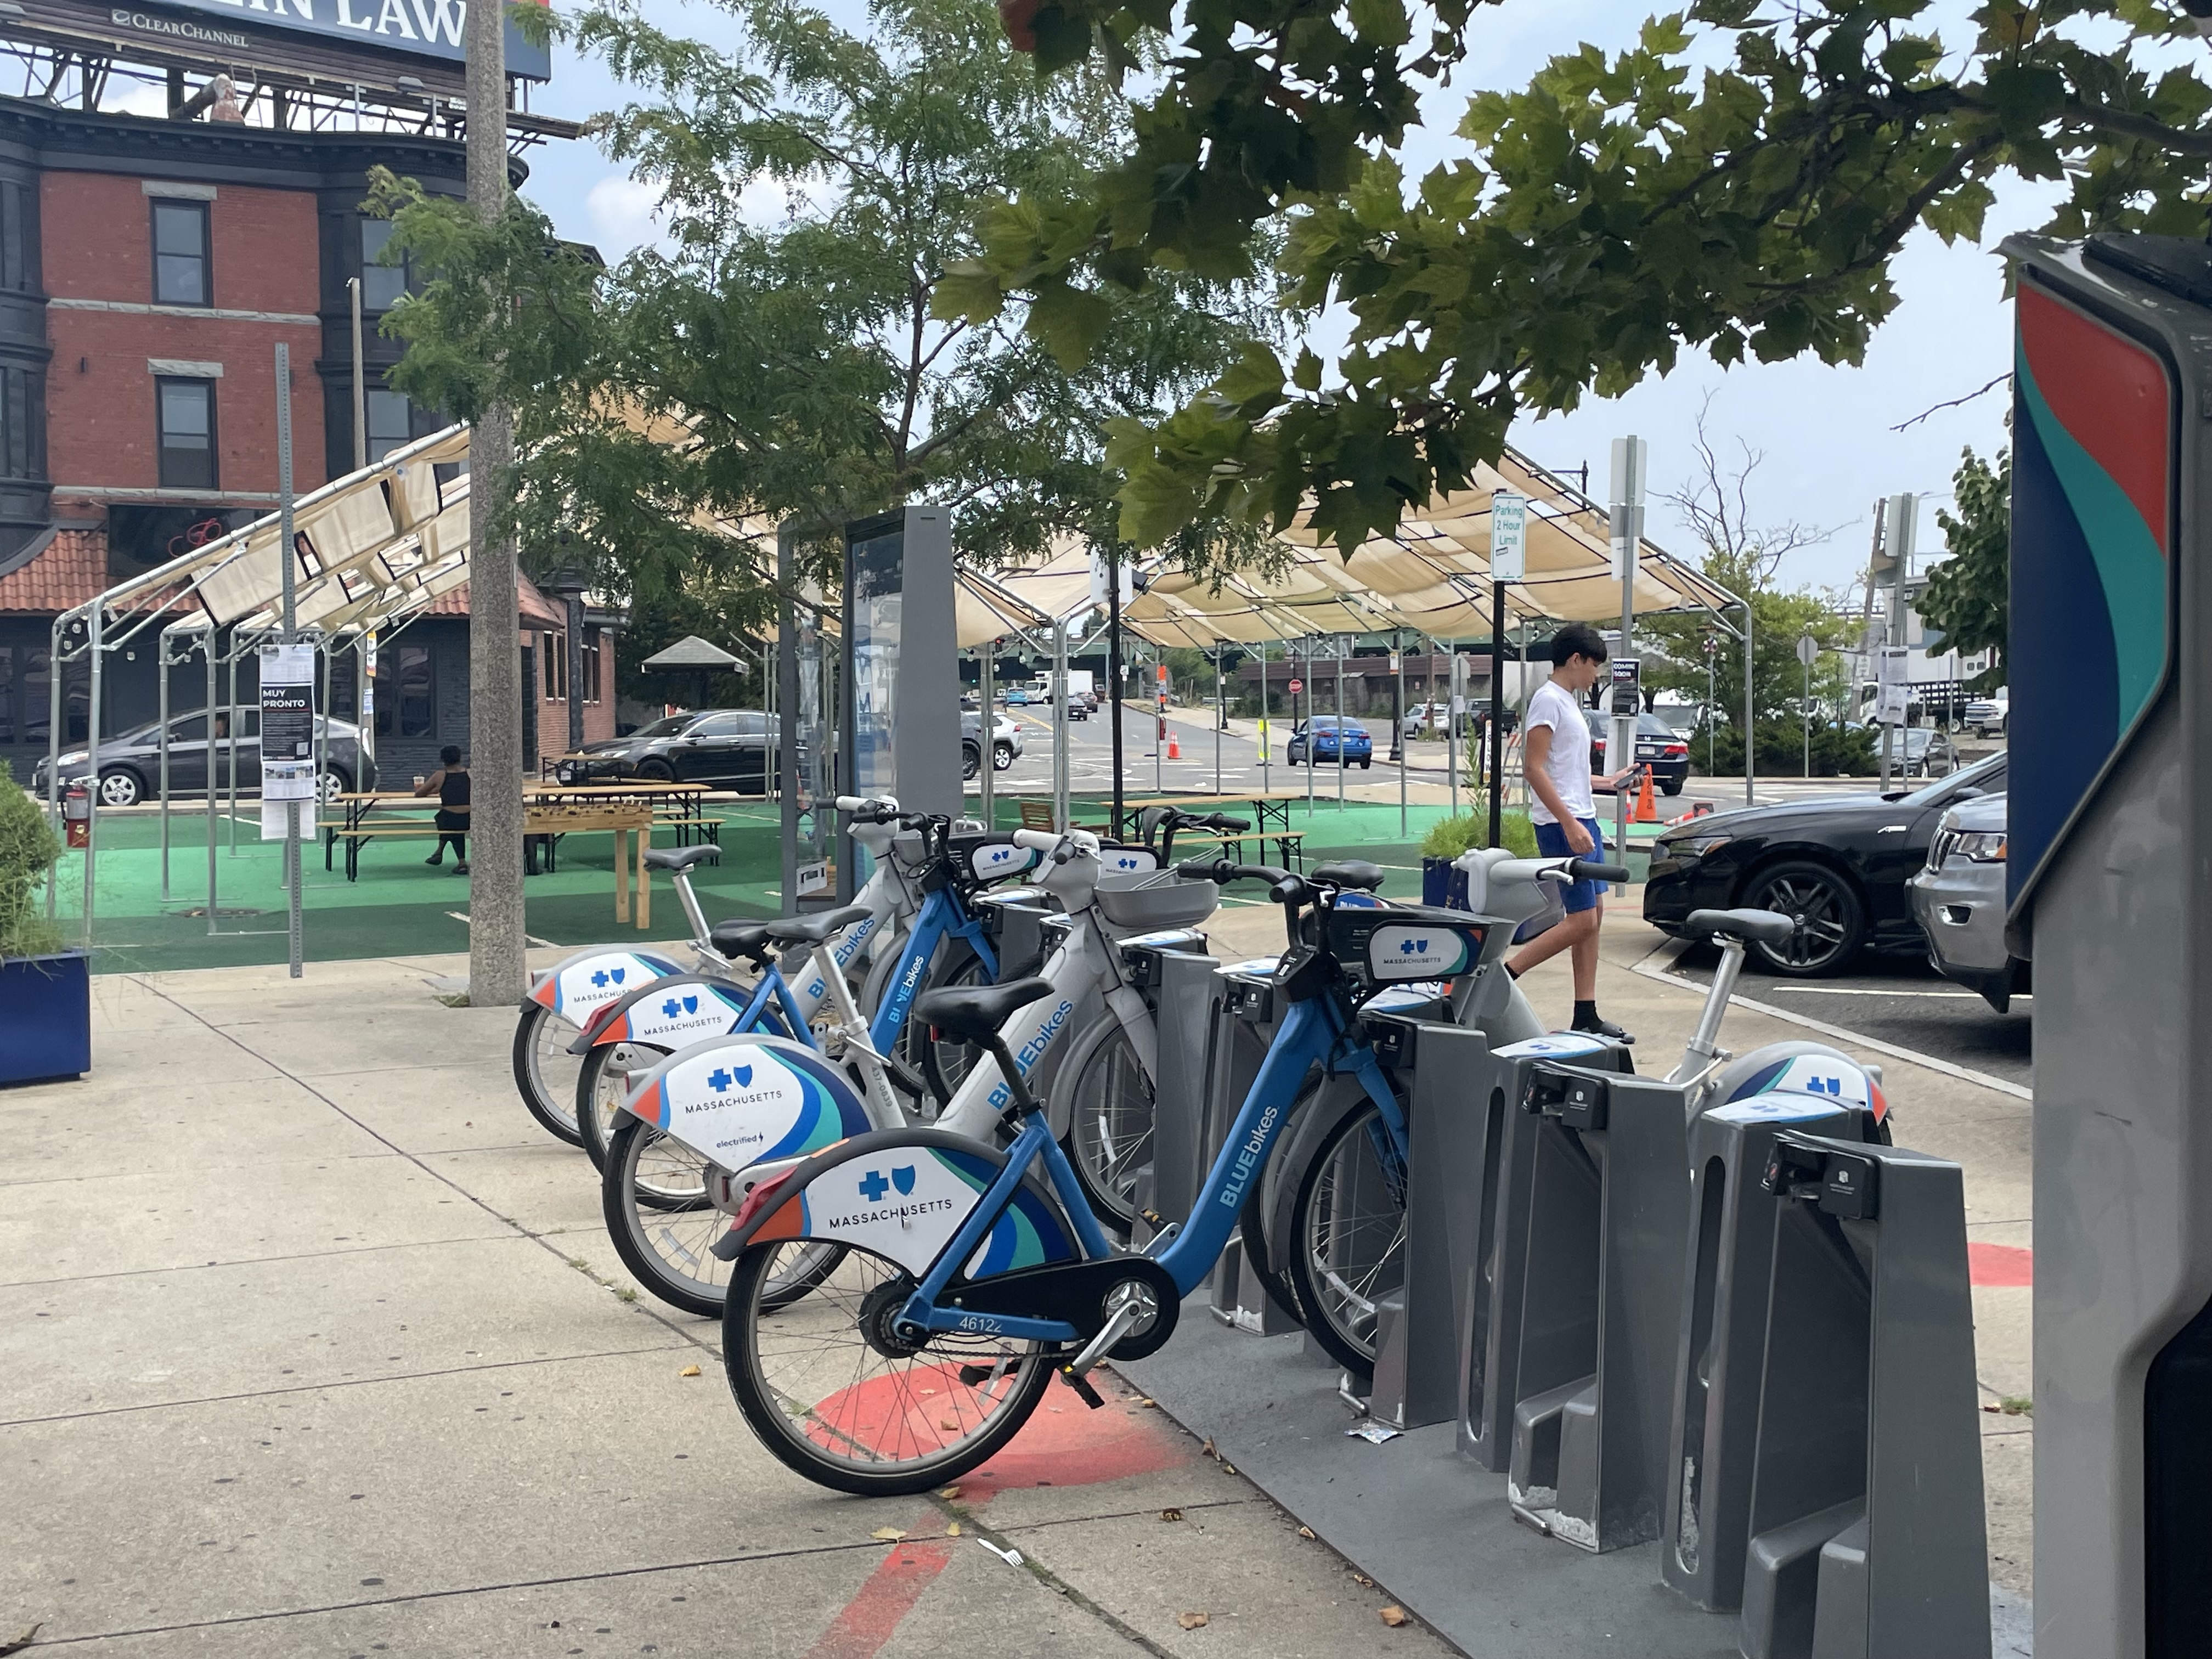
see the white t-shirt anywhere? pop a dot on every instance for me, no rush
(1569, 763)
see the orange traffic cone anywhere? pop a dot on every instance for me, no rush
(1175, 744)
(1646, 811)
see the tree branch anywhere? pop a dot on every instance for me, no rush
(1953, 403)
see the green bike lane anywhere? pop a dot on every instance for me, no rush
(314, 1344)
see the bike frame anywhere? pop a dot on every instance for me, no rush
(942, 916)
(1314, 1032)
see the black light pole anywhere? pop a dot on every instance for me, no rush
(1496, 711)
(1113, 671)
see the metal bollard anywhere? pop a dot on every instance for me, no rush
(1608, 1210)
(1242, 1023)
(1179, 980)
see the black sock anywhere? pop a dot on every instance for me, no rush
(1586, 1012)
(1511, 972)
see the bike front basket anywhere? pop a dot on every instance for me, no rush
(1150, 903)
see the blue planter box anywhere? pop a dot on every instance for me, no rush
(1442, 883)
(46, 1018)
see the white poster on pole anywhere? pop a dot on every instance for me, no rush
(1509, 536)
(1894, 693)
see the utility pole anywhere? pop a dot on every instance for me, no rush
(1113, 672)
(1808, 649)
(1901, 514)
(497, 959)
(1625, 525)
(1509, 563)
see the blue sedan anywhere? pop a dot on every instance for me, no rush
(1333, 743)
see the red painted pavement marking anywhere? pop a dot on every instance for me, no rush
(2000, 1265)
(866, 1622)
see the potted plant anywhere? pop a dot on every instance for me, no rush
(45, 993)
(1449, 837)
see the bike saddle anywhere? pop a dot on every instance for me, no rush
(742, 939)
(1768, 927)
(814, 930)
(681, 858)
(1351, 872)
(975, 1013)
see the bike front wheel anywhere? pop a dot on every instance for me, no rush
(836, 1396)
(603, 1083)
(1111, 1107)
(545, 1071)
(1349, 1233)
(662, 1226)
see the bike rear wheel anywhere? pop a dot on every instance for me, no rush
(836, 1397)
(1111, 1108)
(1348, 1237)
(545, 1071)
(653, 1194)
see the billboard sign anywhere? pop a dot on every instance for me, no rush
(227, 32)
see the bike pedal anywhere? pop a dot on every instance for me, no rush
(1081, 1384)
(1152, 1219)
(973, 1377)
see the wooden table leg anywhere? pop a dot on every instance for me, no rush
(621, 875)
(643, 839)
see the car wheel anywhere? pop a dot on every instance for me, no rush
(120, 788)
(1674, 788)
(333, 783)
(1367, 763)
(1002, 757)
(1831, 920)
(659, 771)
(971, 760)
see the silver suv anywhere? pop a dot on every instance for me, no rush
(1959, 899)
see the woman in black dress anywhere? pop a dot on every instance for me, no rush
(450, 784)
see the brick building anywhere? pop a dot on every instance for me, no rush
(149, 268)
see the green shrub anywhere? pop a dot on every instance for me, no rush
(27, 851)
(1836, 753)
(1448, 837)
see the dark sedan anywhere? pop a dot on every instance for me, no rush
(1839, 864)
(1658, 746)
(728, 748)
(130, 764)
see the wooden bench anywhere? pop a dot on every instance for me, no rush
(1037, 815)
(1290, 843)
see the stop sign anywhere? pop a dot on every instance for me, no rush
(1297, 686)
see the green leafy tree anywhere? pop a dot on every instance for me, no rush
(1737, 180)
(29, 851)
(770, 365)
(1968, 596)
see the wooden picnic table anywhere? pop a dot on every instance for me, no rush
(630, 822)
(1271, 815)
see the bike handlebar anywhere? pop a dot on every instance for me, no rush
(1591, 870)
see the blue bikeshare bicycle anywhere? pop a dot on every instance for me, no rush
(564, 998)
(972, 1273)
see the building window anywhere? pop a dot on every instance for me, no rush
(180, 254)
(381, 286)
(390, 423)
(553, 665)
(406, 693)
(186, 410)
(591, 665)
(26, 677)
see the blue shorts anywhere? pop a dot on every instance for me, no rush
(1552, 842)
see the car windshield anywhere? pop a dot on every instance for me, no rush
(667, 727)
(1987, 777)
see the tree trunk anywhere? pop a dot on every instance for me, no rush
(498, 972)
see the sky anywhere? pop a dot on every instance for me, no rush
(1824, 438)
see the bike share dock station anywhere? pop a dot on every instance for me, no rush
(1669, 1380)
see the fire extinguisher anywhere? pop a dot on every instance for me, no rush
(76, 813)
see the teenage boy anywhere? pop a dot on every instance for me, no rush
(1555, 747)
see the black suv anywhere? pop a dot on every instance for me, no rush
(730, 748)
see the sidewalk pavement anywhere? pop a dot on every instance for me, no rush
(1983, 1129)
(315, 1344)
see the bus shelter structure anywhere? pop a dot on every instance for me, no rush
(371, 552)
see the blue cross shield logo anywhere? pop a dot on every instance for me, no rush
(690, 1005)
(873, 1187)
(1126, 863)
(718, 1079)
(745, 1076)
(904, 1180)
(671, 1007)
(1415, 946)
(599, 976)
(618, 975)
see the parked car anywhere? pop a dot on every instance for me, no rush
(1082, 705)
(971, 699)
(1658, 746)
(1988, 716)
(1426, 720)
(1019, 696)
(1333, 743)
(727, 748)
(130, 765)
(1838, 863)
(1922, 753)
(1958, 898)
(1006, 743)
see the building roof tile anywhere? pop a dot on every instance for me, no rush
(67, 572)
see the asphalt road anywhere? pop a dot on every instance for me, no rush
(1900, 1000)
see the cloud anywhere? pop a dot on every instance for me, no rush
(623, 213)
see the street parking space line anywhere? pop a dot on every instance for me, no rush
(1844, 1034)
(1860, 991)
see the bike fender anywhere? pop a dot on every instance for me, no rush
(1339, 1096)
(736, 1100)
(1782, 1072)
(578, 986)
(673, 1012)
(904, 1194)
